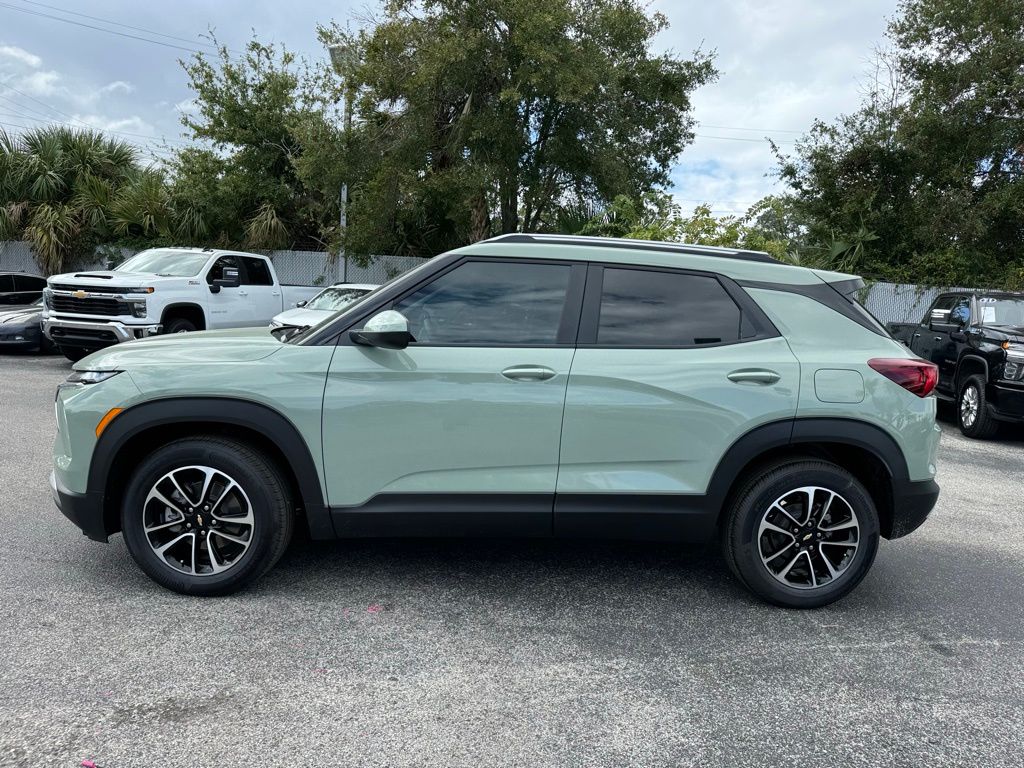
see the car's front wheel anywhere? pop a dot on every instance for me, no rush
(74, 354)
(206, 515)
(802, 533)
(972, 409)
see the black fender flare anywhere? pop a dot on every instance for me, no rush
(794, 432)
(216, 411)
(959, 365)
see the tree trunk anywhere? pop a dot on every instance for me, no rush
(480, 219)
(508, 191)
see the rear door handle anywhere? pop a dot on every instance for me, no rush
(758, 376)
(243, 293)
(528, 373)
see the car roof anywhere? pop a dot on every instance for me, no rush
(739, 264)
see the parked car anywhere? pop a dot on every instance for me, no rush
(322, 306)
(18, 289)
(164, 290)
(522, 386)
(21, 328)
(977, 342)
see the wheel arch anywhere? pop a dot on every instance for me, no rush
(140, 430)
(968, 365)
(863, 449)
(186, 309)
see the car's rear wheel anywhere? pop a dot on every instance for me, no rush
(801, 533)
(206, 515)
(972, 409)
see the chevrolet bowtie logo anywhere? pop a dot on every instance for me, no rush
(80, 294)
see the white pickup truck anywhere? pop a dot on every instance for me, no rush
(163, 290)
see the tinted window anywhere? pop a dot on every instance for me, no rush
(641, 308)
(489, 303)
(257, 272)
(939, 312)
(6, 283)
(29, 283)
(217, 270)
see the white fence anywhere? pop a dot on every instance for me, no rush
(296, 267)
(900, 302)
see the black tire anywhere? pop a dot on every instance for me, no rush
(74, 354)
(180, 325)
(263, 486)
(741, 546)
(983, 426)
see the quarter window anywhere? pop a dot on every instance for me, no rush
(644, 308)
(489, 303)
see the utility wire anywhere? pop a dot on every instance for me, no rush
(756, 130)
(117, 23)
(99, 29)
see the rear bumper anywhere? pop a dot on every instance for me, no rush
(912, 502)
(94, 333)
(83, 509)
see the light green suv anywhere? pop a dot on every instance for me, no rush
(523, 386)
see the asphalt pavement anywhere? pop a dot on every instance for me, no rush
(420, 653)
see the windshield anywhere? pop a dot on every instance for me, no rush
(336, 297)
(1001, 311)
(167, 262)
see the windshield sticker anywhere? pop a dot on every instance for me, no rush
(988, 314)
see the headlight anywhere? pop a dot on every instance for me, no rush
(90, 377)
(1013, 368)
(138, 307)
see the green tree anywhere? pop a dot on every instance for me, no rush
(925, 182)
(478, 117)
(57, 191)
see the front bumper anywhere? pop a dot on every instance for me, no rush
(84, 510)
(912, 502)
(1006, 401)
(94, 333)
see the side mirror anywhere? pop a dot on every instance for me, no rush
(228, 280)
(387, 330)
(302, 303)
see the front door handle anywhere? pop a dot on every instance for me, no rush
(753, 376)
(528, 373)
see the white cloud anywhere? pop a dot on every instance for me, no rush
(43, 83)
(117, 85)
(20, 55)
(133, 124)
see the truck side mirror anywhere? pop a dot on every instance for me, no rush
(229, 279)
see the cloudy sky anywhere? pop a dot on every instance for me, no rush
(782, 63)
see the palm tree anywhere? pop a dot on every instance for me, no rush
(57, 189)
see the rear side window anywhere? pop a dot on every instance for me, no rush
(6, 283)
(642, 308)
(256, 271)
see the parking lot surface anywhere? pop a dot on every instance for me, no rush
(381, 653)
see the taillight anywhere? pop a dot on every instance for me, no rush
(917, 376)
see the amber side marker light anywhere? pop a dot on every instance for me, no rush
(1005, 345)
(107, 418)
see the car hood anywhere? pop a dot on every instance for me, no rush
(235, 345)
(1014, 332)
(303, 317)
(29, 314)
(105, 277)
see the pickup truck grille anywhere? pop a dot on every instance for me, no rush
(90, 288)
(89, 306)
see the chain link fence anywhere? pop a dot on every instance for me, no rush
(292, 267)
(900, 302)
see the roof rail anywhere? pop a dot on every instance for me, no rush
(642, 245)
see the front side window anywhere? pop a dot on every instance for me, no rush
(6, 283)
(28, 283)
(217, 270)
(257, 272)
(939, 313)
(489, 303)
(643, 308)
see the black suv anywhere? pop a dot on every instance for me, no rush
(977, 340)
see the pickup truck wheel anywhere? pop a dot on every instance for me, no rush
(180, 325)
(74, 354)
(972, 409)
(206, 515)
(801, 533)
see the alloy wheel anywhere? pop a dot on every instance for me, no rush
(198, 520)
(969, 403)
(808, 537)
